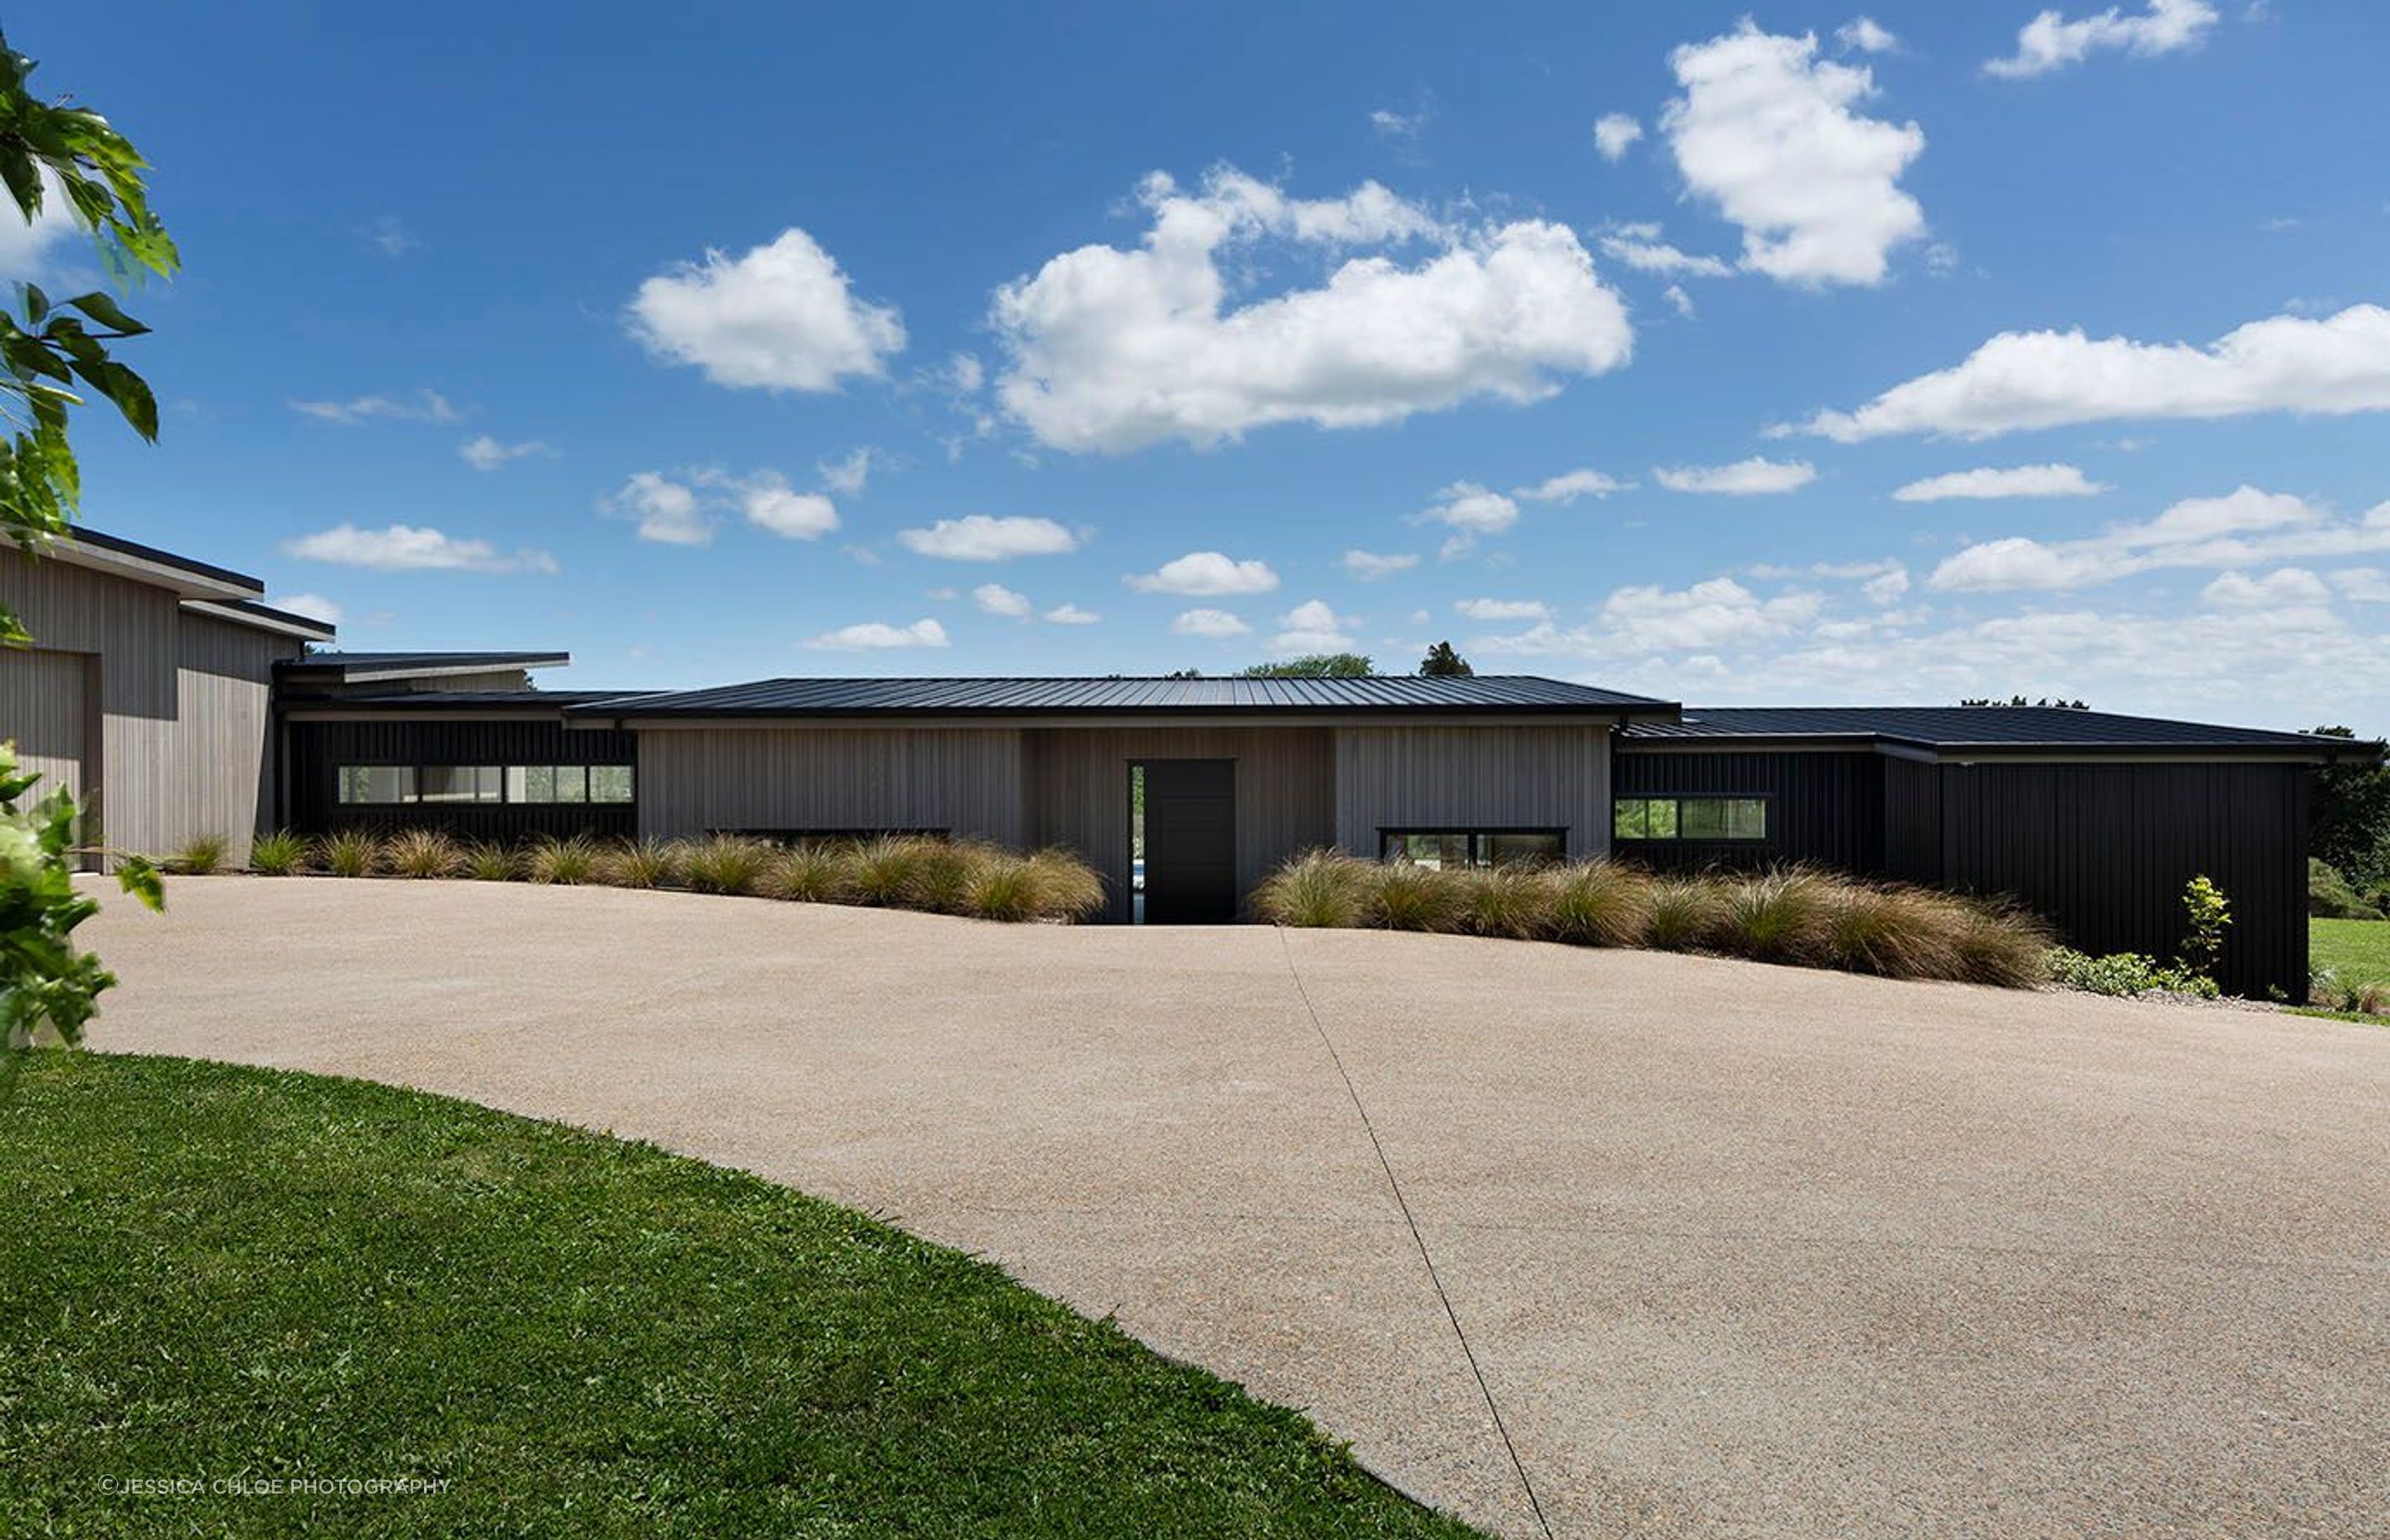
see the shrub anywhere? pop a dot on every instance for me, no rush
(488, 861)
(943, 873)
(1317, 888)
(1600, 904)
(1683, 913)
(1067, 887)
(1777, 916)
(423, 852)
(564, 862)
(1403, 895)
(278, 853)
(726, 863)
(808, 874)
(2207, 915)
(2124, 973)
(2330, 897)
(1510, 902)
(2001, 944)
(2327, 989)
(1898, 932)
(648, 863)
(886, 869)
(201, 855)
(1001, 886)
(350, 852)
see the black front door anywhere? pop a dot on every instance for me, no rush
(1191, 841)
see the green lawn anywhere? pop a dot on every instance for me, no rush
(214, 1274)
(2358, 950)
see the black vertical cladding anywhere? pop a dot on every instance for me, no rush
(1912, 820)
(1824, 807)
(319, 749)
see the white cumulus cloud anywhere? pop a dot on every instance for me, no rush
(666, 511)
(1471, 508)
(996, 600)
(1312, 626)
(1370, 566)
(1754, 477)
(1203, 573)
(411, 548)
(1070, 614)
(488, 454)
(1766, 133)
(1640, 248)
(2287, 588)
(1863, 34)
(315, 606)
(878, 636)
(1215, 623)
(1570, 485)
(781, 317)
(1614, 133)
(1110, 351)
(2022, 480)
(1503, 609)
(851, 471)
(2051, 42)
(2243, 527)
(423, 406)
(771, 504)
(2333, 365)
(985, 537)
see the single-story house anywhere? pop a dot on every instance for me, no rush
(2093, 819)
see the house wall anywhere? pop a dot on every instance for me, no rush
(965, 781)
(1472, 777)
(1077, 784)
(1822, 806)
(318, 748)
(225, 710)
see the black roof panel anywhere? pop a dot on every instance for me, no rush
(1390, 693)
(1996, 728)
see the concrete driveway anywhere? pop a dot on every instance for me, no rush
(1729, 1249)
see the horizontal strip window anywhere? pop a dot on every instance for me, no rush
(1458, 848)
(456, 785)
(1709, 819)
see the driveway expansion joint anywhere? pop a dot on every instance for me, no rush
(1394, 1185)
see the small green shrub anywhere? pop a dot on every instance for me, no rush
(565, 863)
(350, 852)
(201, 855)
(648, 863)
(2206, 916)
(488, 861)
(726, 864)
(1514, 902)
(2126, 974)
(2330, 897)
(807, 874)
(1403, 895)
(1684, 914)
(1317, 888)
(278, 854)
(423, 852)
(1600, 904)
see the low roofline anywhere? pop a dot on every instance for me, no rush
(148, 564)
(264, 617)
(2296, 748)
(377, 667)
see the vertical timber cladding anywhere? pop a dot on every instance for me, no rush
(963, 780)
(2104, 850)
(1473, 778)
(1077, 793)
(225, 693)
(1822, 806)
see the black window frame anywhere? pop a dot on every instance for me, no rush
(1766, 802)
(1474, 833)
(413, 794)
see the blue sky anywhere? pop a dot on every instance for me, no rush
(958, 339)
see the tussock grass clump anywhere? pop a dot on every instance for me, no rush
(808, 874)
(423, 852)
(1001, 886)
(944, 872)
(1316, 889)
(1898, 932)
(1778, 917)
(201, 855)
(648, 863)
(278, 854)
(1514, 902)
(1403, 895)
(726, 864)
(2001, 944)
(487, 861)
(1683, 913)
(1600, 904)
(886, 870)
(565, 863)
(1068, 888)
(350, 852)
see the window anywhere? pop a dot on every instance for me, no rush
(547, 783)
(610, 783)
(457, 783)
(1459, 848)
(377, 783)
(1704, 819)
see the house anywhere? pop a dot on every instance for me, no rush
(2092, 819)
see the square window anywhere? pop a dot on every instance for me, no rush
(1701, 819)
(1629, 818)
(458, 783)
(371, 784)
(610, 783)
(571, 783)
(1746, 818)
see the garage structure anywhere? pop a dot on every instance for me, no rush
(167, 693)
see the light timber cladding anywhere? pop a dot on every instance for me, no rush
(963, 780)
(1473, 778)
(1079, 793)
(46, 707)
(225, 710)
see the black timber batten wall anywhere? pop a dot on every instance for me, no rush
(2102, 850)
(317, 750)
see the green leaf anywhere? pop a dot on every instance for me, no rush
(127, 390)
(100, 308)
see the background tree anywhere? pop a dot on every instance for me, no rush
(2348, 819)
(1442, 662)
(1313, 665)
(49, 149)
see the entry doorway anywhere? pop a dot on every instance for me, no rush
(1183, 840)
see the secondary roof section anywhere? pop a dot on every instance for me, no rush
(1486, 695)
(366, 668)
(1986, 731)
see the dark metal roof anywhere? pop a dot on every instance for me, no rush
(368, 665)
(1495, 694)
(82, 535)
(285, 617)
(1989, 729)
(456, 700)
